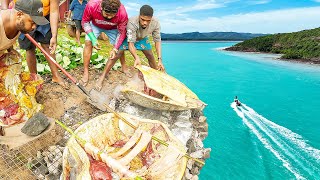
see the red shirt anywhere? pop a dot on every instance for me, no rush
(92, 13)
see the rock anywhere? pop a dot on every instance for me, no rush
(189, 164)
(207, 153)
(187, 174)
(183, 123)
(197, 154)
(112, 104)
(195, 171)
(202, 119)
(131, 110)
(203, 128)
(51, 177)
(39, 155)
(195, 177)
(183, 134)
(54, 168)
(41, 171)
(203, 135)
(184, 115)
(35, 125)
(199, 143)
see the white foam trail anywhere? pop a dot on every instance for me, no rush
(266, 143)
(288, 134)
(286, 148)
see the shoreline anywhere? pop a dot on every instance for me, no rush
(205, 41)
(298, 61)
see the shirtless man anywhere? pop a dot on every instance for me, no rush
(16, 22)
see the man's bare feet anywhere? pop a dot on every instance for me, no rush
(84, 80)
(61, 82)
(99, 84)
(125, 70)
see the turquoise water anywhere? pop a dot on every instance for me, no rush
(276, 135)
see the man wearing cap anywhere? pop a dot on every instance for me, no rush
(110, 17)
(41, 11)
(15, 22)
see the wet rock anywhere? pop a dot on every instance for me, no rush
(207, 153)
(203, 128)
(203, 135)
(35, 125)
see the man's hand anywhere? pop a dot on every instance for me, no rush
(113, 53)
(96, 46)
(53, 45)
(161, 67)
(137, 62)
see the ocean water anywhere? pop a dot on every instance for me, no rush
(275, 134)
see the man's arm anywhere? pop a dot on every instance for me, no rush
(54, 20)
(70, 10)
(133, 51)
(86, 18)
(132, 37)
(158, 49)
(69, 14)
(157, 40)
(121, 36)
(4, 4)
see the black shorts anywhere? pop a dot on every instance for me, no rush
(78, 24)
(38, 36)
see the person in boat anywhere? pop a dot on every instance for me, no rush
(238, 103)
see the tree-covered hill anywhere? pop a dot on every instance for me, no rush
(209, 36)
(303, 45)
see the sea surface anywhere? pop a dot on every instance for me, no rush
(275, 134)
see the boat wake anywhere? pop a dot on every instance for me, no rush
(298, 157)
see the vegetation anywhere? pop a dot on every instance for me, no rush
(302, 45)
(70, 55)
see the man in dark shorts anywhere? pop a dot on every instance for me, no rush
(45, 34)
(77, 8)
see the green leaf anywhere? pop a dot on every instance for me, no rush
(73, 65)
(40, 67)
(116, 66)
(66, 61)
(58, 58)
(47, 68)
(98, 66)
(100, 58)
(79, 50)
(94, 56)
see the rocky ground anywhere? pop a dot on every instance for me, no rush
(71, 107)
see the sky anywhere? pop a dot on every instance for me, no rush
(253, 16)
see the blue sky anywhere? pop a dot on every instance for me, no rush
(255, 16)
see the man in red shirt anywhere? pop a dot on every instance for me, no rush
(110, 17)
